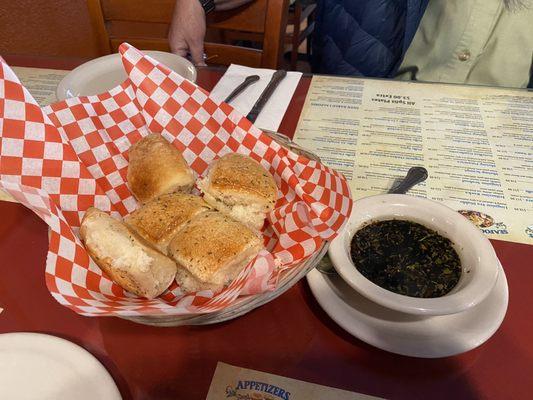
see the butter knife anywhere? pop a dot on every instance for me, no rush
(277, 77)
(247, 82)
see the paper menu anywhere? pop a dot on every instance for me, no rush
(476, 142)
(41, 82)
(231, 382)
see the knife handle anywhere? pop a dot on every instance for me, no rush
(277, 77)
(247, 82)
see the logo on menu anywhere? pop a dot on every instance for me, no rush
(252, 390)
(478, 218)
(529, 231)
(485, 222)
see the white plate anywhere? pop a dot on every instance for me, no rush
(410, 335)
(103, 73)
(37, 366)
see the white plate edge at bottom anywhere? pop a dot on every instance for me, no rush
(333, 301)
(45, 340)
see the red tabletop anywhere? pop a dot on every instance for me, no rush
(290, 336)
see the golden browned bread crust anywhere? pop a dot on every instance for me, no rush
(161, 218)
(239, 175)
(156, 167)
(125, 257)
(212, 243)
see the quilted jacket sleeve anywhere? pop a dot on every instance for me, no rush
(364, 37)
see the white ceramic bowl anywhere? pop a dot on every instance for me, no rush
(478, 259)
(103, 73)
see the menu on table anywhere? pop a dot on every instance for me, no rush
(476, 143)
(41, 82)
(231, 382)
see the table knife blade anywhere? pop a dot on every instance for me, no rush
(277, 77)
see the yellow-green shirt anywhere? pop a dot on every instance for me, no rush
(472, 42)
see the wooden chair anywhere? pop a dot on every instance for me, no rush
(144, 24)
(298, 13)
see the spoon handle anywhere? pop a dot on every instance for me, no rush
(247, 82)
(414, 176)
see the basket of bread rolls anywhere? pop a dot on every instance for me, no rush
(171, 209)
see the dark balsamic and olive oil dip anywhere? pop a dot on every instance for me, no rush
(406, 258)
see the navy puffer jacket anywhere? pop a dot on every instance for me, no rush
(364, 37)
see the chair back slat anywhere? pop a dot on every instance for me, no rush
(144, 24)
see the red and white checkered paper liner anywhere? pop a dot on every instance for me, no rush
(71, 155)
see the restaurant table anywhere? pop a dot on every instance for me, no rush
(290, 336)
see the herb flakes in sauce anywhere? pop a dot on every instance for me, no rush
(406, 258)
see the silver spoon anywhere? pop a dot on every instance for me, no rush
(239, 89)
(414, 176)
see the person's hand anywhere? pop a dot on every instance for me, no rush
(187, 30)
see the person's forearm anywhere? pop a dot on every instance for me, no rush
(221, 5)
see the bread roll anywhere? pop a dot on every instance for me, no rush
(124, 256)
(156, 167)
(240, 187)
(161, 218)
(211, 250)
